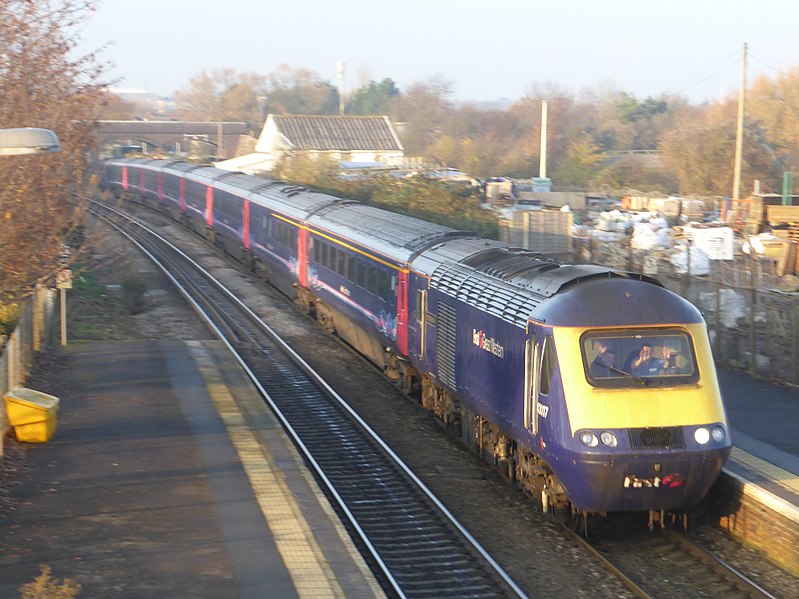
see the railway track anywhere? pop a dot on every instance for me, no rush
(416, 547)
(665, 563)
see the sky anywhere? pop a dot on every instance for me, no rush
(486, 49)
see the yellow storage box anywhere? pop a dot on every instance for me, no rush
(32, 414)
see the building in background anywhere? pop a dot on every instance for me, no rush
(354, 141)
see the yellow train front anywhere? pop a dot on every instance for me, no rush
(645, 423)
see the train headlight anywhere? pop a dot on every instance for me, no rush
(588, 439)
(609, 439)
(718, 434)
(702, 435)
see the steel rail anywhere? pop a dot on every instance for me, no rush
(677, 539)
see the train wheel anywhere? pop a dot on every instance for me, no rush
(579, 522)
(325, 318)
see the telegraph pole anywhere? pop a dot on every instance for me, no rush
(736, 182)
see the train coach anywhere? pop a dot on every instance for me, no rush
(594, 389)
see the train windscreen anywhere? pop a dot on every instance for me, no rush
(633, 358)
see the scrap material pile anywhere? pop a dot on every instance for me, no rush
(664, 237)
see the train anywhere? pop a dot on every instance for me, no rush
(594, 389)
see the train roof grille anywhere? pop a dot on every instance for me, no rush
(506, 263)
(503, 300)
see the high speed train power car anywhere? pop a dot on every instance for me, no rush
(595, 389)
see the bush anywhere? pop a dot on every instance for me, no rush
(9, 315)
(133, 295)
(46, 587)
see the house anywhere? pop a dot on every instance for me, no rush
(348, 139)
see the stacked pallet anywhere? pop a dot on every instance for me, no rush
(545, 231)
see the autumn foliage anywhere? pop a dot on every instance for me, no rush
(45, 82)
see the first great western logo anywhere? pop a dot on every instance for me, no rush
(488, 344)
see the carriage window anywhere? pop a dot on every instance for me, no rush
(372, 283)
(636, 358)
(382, 284)
(331, 257)
(363, 270)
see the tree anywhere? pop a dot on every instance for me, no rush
(299, 91)
(581, 164)
(317, 171)
(632, 172)
(374, 98)
(423, 109)
(44, 82)
(700, 153)
(223, 95)
(775, 104)
(117, 109)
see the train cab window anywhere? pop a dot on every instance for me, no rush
(547, 366)
(663, 357)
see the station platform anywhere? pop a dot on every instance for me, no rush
(756, 498)
(169, 476)
(765, 432)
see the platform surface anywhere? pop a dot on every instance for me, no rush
(764, 418)
(168, 476)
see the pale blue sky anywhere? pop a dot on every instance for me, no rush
(487, 49)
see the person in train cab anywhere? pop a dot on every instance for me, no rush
(603, 365)
(669, 360)
(644, 364)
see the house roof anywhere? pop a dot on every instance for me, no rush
(330, 133)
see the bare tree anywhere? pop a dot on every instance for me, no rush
(44, 82)
(225, 95)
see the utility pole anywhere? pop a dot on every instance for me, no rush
(736, 182)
